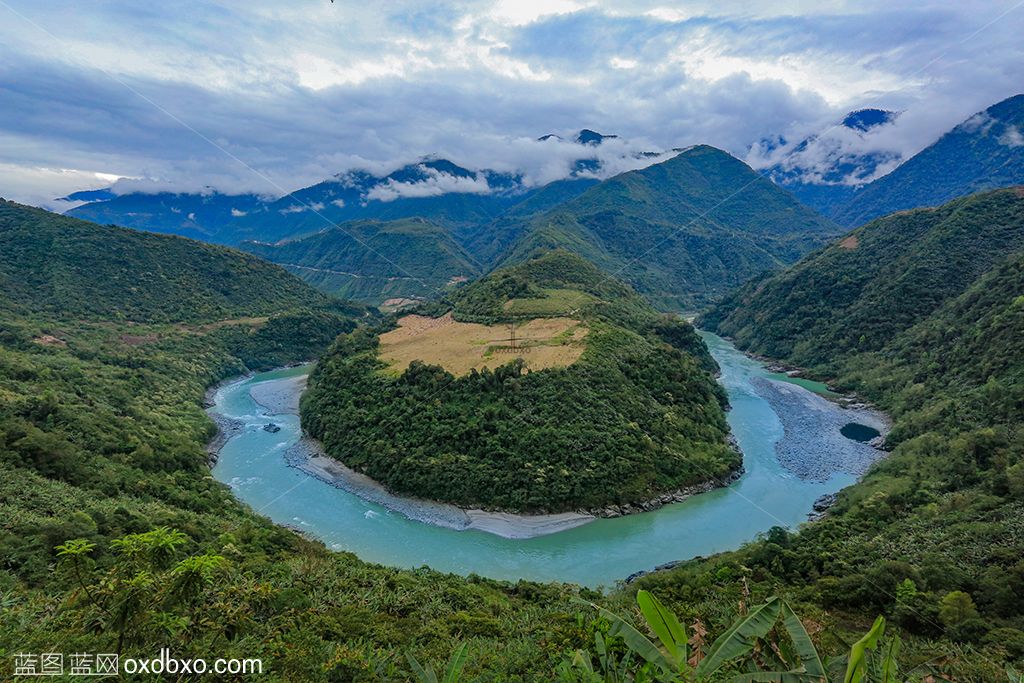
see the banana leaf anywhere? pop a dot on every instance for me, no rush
(739, 639)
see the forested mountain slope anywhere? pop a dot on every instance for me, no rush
(374, 261)
(683, 231)
(55, 265)
(858, 294)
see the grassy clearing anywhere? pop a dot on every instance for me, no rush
(554, 302)
(461, 347)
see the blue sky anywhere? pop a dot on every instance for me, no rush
(270, 96)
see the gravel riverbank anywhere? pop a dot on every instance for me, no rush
(812, 446)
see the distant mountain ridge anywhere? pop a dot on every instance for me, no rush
(196, 215)
(824, 170)
(984, 152)
(433, 188)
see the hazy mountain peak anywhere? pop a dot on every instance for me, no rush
(984, 151)
(866, 119)
(591, 137)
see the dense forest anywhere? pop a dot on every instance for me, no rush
(639, 408)
(57, 266)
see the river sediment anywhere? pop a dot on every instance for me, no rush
(813, 424)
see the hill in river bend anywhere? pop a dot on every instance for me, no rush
(613, 404)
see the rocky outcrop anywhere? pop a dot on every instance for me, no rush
(678, 496)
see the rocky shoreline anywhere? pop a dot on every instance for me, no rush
(677, 496)
(813, 424)
(226, 427)
(307, 455)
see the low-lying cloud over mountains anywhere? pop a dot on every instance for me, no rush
(264, 98)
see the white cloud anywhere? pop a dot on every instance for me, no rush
(436, 183)
(1012, 137)
(238, 213)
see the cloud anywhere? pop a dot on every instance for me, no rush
(436, 184)
(267, 97)
(238, 213)
(1012, 137)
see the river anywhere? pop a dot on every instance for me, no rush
(794, 452)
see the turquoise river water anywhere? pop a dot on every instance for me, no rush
(596, 554)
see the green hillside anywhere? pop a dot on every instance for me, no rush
(488, 242)
(682, 232)
(923, 313)
(374, 261)
(984, 152)
(859, 293)
(53, 265)
(637, 415)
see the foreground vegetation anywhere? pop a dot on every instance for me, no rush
(638, 408)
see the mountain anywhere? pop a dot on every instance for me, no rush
(984, 152)
(439, 190)
(591, 137)
(487, 243)
(599, 401)
(824, 170)
(62, 266)
(87, 196)
(199, 216)
(683, 231)
(882, 285)
(435, 189)
(374, 261)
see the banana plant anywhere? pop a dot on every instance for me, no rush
(670, 656)
(857, 664)
(452, 672)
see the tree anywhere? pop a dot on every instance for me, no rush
(956, 608)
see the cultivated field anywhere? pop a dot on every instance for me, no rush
(460, 347)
